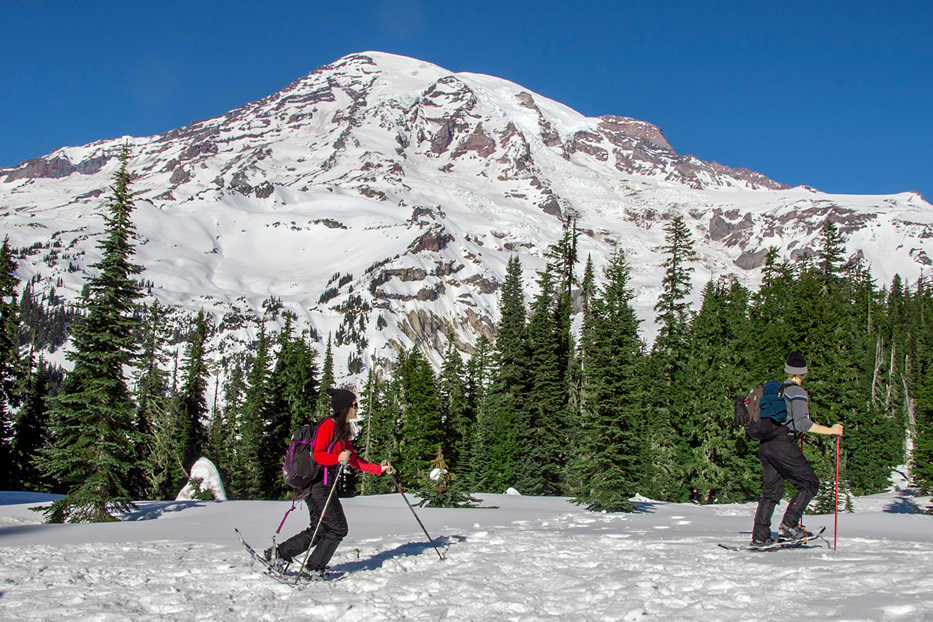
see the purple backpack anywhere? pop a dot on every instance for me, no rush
(299, 470)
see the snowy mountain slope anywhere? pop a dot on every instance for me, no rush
(379, 198)
(530, 558)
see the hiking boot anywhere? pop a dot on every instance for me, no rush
(762, 542)
(789, 532)
(271, 555)
(312, 574)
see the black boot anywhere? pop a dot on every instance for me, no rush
(763, 514)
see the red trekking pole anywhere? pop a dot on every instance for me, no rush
(836, 510)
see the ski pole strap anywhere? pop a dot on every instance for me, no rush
(327, 469)
(295, 500)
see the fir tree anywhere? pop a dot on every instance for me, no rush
(214, 445)
(89, 454)
(477, 383)
(668, 357)
(770, 333)
(611, 463)
(300, 384)
(31, 433)
(672, 308)
(162, 471)
(192, 400)
(587, 287)
(922, 455)
(322, 409)
(578, 362)
(508, 386)
(920, 409)
(368, 401)
(233, 390)
(382, 419)
(421, 433)
(718, 464)
(441, 488)
(541, 428)
(292, 398)
(841, 353)
(250, 469)
(831, 254)
(152, 474)
(10, 367)
(455, 414)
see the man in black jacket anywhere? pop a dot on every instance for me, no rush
(781, 458)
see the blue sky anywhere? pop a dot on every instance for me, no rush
(836, 95)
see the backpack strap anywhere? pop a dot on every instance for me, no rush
(333, 442)
(790, 418)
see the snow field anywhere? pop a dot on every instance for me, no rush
(526, 559)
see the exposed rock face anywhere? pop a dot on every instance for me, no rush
(54, 168)
(629, 133)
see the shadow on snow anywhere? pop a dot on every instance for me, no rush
(405, 550)
(154, 509)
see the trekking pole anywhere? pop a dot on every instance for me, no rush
(402, 492)
(320, 519)
(836, 508)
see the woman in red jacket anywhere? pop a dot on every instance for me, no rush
(331, 447)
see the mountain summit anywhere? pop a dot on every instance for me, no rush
(379, 198)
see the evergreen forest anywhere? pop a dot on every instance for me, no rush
(566, 400)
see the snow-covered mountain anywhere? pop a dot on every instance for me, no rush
(380, 197)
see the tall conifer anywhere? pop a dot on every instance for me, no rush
(455, 413)
(541, 431)
(192, 400)
(421, 433)
(323, 409)
(10, 367)
(249, 472)
(477, 386)
(673, 312)
(382, 420)
(92, 420)
(234, 387)
(611, 464)
(509, 383)
(31, 432)
(155, 471)
(718, 465)
(292, 397)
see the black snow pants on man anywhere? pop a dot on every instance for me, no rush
(782, 459)
(333, 529)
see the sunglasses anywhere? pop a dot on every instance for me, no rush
(355, 405)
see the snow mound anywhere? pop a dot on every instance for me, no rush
(205, 471)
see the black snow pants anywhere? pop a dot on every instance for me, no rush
(782, 459)
(333, 529)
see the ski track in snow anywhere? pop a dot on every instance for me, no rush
(565, 564)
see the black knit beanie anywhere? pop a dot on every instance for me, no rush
(340, 399)
(795, 365)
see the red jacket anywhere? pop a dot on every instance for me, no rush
(327, 456)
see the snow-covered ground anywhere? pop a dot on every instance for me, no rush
(519, 558)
